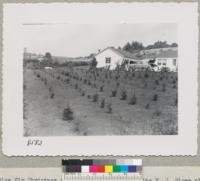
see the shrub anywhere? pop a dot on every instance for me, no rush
(164, 87)
(147, 106)
(113, 93)
(123, 95)
(173, 81)
(102, 103)
(133, 100)
(101, 88)
(146, 75)
(24, 86)
(174, 86)
(76, 86)
(67, 81)
(38, 75)
(45, 81)
(89, 83)
(176, 101)
(157, 112)
(117, 84)
(77, 129)
(52, 95)
(68, 113)
(89, 96)
(58, 77)
(157, 82)
(95, 98)
(109, 108)
(155, 97)
(83, 93)
(145, 85)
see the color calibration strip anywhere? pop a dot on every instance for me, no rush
(102, 166)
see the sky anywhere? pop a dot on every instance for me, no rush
(74, 40)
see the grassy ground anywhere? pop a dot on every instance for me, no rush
(149, 106)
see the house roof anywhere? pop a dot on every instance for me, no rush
(168, 54)
(146, 56)
(122, 53)
(159, 49)
(171, 53)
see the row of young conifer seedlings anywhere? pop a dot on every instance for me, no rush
(123, 94)
(68, 114)
(44, 79)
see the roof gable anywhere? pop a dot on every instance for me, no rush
(122, 53)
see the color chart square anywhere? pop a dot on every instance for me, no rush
(108, 169)
(92, 169)
(132, 168)
(124, 169)
(116, 169)
(85, 169)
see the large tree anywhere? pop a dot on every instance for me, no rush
(127, 47)
(48, 60)
(134, 46)
(93, 62)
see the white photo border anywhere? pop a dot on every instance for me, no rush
(184, 14)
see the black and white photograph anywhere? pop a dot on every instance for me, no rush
(100, 79)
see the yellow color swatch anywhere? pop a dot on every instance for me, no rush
(108, 169)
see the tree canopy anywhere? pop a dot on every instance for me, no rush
(136, 46)
(93, 62)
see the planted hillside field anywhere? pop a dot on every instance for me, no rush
(92, 101)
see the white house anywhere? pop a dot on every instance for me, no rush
(168, 59)
(111, 57)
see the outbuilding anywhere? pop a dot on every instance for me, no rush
(167, 59)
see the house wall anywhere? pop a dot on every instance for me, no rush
(115, 58)
(167, 62)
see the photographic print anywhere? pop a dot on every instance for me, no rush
(81, 82)
(100, 79)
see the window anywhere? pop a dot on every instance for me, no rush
(164, 63)
(159, 63)
(108, 59)
(174, 62)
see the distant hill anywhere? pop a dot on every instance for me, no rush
(61, 59)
